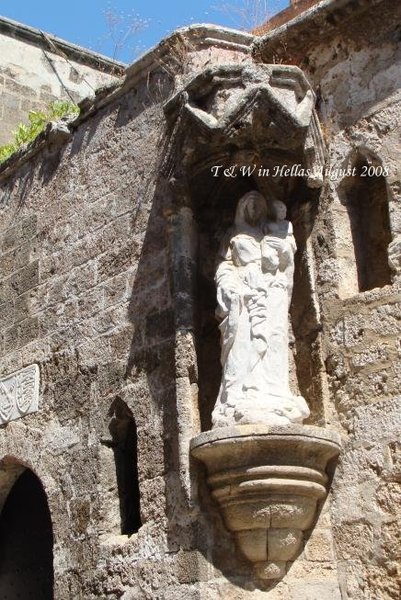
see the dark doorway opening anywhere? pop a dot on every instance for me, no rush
(26, 542)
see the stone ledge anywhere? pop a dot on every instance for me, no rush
(76, 53)
(308, 28)
(257, 431)
(268, 483)
(197, 36)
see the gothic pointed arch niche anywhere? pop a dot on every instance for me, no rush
(259, 119)
(255, 125)
(26, 535)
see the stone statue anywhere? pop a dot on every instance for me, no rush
(254, 284)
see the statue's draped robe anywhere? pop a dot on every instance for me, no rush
(254, 282)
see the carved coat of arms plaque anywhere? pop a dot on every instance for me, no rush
(19, 394)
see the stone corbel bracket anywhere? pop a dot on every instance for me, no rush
(252, 107)
(268, 483)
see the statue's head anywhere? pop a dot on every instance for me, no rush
(251, 209)
(280, 210)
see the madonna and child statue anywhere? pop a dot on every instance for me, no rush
(254, 279)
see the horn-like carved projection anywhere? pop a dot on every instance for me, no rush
(251, 109)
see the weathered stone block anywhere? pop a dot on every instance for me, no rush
(192, 567)
(11, 339)
(6, 314)
(15, 259)
(19, 89)
(26, 278)
(315, 590)
(319, 546)
(355, 541)
(28, 330)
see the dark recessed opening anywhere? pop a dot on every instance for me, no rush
(26, 542)
(365, 197)
(124, 442)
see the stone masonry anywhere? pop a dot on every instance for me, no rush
(107, 286)
(37, 68)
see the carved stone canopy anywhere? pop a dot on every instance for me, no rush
(256, 109)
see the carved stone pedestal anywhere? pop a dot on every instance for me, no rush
(267, 482)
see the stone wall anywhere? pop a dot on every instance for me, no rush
(88, 293)
(90, 284)
(37, 68)
(355, 72)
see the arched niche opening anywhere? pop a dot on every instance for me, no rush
(214, 203)
(26, 537)
(363, 228)
(120, 456)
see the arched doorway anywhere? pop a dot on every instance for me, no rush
(26, 542)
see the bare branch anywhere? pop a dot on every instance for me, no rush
(248, 14)
(122, 27)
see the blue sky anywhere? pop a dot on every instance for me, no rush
(88, 22)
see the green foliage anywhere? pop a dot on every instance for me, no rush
(6, 151)
(24, 134)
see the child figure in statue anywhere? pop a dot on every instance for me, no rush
(254, 284)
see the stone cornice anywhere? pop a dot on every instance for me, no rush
(307, 29)
(195, 37)
(188, 39)
(192, 39)
(51, 43)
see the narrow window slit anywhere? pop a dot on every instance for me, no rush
(364, 196)
(124, 443)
